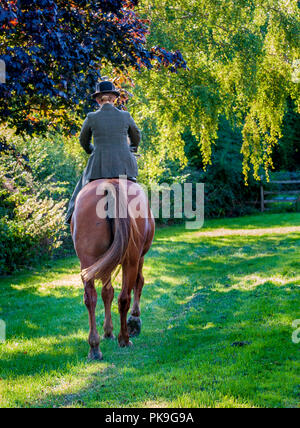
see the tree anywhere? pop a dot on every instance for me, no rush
(287, 152)
(54, 51)
(242, 59)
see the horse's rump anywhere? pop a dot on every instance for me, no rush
(127, 232)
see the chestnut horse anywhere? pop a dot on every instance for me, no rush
(103, 242)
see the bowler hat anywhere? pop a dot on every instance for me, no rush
(105, 87)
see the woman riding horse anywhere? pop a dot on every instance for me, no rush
(102, 240)
(110, 156)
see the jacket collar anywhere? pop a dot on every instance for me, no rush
(106, 106)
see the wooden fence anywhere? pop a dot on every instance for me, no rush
(284, 199)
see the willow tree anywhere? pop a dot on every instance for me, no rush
(243, 61)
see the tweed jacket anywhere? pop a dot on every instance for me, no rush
(111, 155)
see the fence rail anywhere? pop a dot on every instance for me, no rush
(285, 182)
(290, 192)
(263, 193)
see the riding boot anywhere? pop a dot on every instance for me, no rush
(71, 206)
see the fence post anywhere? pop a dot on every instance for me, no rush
(262, 197)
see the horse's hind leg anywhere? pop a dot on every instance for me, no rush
(134, 322)
(130, 271)
(90, 299)
(107, 297)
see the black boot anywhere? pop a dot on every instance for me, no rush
(71, 206)
(68, 219)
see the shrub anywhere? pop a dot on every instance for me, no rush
(31, 224)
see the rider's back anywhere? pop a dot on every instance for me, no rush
(111, 155)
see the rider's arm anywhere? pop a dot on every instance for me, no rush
(134, 134)
(86, 136)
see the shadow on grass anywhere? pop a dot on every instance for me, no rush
(201, 299)
(193, 354)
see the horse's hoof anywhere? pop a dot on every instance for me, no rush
(95, 355)
(124, 344)
(109, 336)
(134, 325)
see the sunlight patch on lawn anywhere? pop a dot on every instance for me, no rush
(64, 281)
(208, 326)
(85, 378)
(283, 320)
(205, 400)
(154, 404)
(248, 282)
(36, 346)
(31, 325)
(248, 232)
(69, 284)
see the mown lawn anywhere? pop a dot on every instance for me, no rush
(235, 280)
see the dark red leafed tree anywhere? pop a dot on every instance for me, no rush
(53, 51)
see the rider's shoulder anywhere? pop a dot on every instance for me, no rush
(92, 114)
(122, 112)
(126, 113)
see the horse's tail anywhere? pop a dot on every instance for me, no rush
(124, 231)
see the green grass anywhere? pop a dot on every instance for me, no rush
(234, 280)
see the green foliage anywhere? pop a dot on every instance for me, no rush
(225, 190)
(287, 153)
(241, 57)
(54, 50)
(31, 222)
(54, 158)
